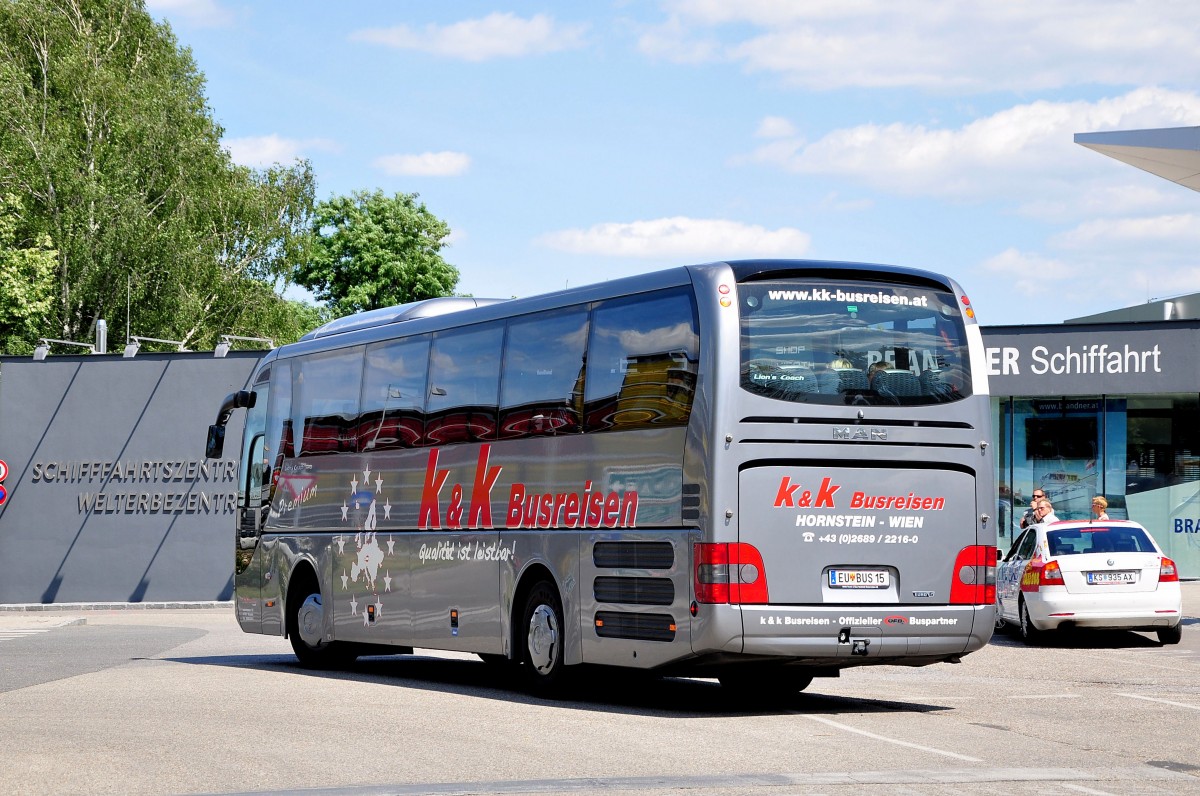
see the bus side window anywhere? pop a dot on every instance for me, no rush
(326, 390)
(541, 389)
(642, 362)
(393, 398)
(464, 384)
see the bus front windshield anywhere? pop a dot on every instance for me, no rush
(826, 342)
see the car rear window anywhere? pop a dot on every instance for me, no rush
(1099, 540)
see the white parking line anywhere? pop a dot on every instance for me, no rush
(1081, 789)
(1163, 701)
(9, 635)
(896, 741)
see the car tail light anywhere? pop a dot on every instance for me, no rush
(1167, 571)
(729, 574)
(1052, 574)
(1039, 573)
(974, 578)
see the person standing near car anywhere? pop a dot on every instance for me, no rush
(1043, 511)
(1100, 508)
(1029, 518)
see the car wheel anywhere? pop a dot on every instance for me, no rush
(1171, 635)
(1029, 633)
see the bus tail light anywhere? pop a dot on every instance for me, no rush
(974, 579)
(1167, 571)
(731, 574)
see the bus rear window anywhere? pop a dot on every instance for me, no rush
(823, 342)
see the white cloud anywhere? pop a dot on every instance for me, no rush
(1019, 45)
(1023, 151)
(680, 236)
(264, 150)
(201, 13)
(1031, 274)
(775, 127)
(426, 164)
(494, 36)
(1181, 230)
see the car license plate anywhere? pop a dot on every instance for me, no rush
(859, 579)
(1103, 578)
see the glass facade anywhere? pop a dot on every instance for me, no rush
(1141, 452)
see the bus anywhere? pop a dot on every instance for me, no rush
(760, 471)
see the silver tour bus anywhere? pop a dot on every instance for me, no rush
(759, 471)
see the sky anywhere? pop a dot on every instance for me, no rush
(571, 143)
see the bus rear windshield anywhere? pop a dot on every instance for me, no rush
(826, 342)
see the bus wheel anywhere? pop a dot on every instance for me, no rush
(306, 621)
(762, 684)
(541, 631)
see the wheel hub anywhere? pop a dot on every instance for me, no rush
(543, 639)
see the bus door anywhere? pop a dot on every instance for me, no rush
(253, 468)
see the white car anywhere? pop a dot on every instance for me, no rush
(1096, 574)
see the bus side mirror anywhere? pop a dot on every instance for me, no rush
(242, 399)
(216, 442)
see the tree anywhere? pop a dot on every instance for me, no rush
(107, 137)
(26, 274)
(370, 251)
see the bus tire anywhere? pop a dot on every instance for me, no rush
(1171, 635)
(305, 621)
(763, 684)
(1029, 632)
(540, 635)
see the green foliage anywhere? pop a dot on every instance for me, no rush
(107, 137)
(26, 282)
(370, 251)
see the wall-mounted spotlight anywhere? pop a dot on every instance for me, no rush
(135, 344)
(226, 343)
(43, 347)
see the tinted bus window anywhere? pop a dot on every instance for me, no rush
(816, 341)
(642, 360)
(542, 381)
(325, 395)
(464, 384)
(393, 399)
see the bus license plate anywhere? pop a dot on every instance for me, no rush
(1101, 578)
(859, 579)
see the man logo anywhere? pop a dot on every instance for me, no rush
(859, 434)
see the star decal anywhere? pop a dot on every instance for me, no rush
(387, 514)
(378, 483)
(391, 543)
(353, 604)
(387, 581)
(353, 485)
(341, 540)
(345, 512)
(345, 579)
(366, 474)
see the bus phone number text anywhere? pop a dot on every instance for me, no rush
(867, 538)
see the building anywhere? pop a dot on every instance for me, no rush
(1108, 404)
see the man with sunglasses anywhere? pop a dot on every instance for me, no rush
(1030, 517)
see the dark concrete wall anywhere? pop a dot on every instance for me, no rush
(109, 496)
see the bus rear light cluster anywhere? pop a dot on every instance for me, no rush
(974, 579)
(729, 574)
